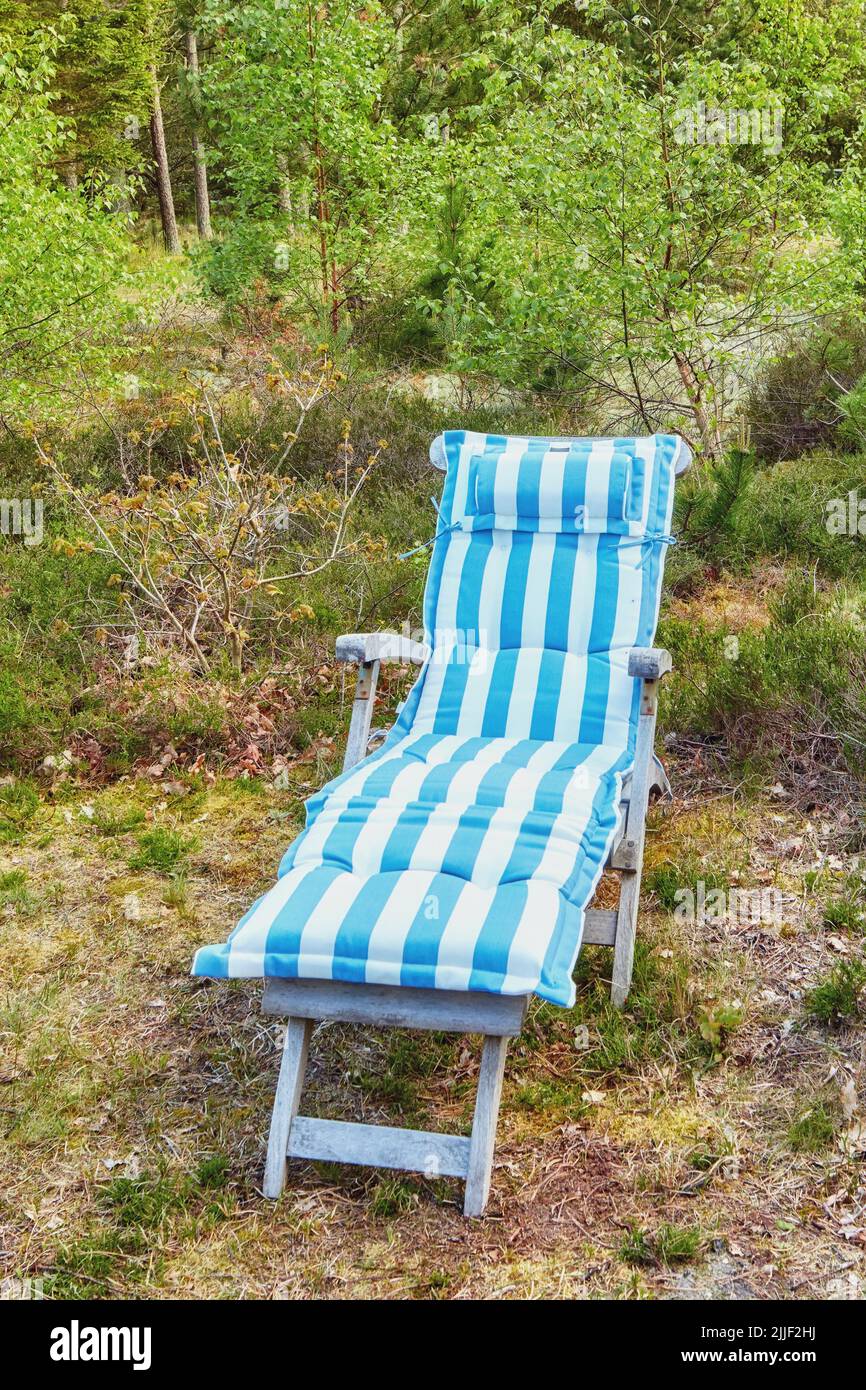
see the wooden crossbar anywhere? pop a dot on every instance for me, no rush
(387, 1006)
(380, 1146)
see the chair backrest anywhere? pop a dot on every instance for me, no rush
(546, 571)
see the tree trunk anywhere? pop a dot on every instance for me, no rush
(163, 178)
(202, 199)
(120, 201)
(707, 428)
(284, 189)
(326, 254)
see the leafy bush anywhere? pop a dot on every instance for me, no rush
(797, 403)
(852, 427)
(733, 514)
(231, 266)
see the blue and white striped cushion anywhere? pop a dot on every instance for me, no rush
(462, 854)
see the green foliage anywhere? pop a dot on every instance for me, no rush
(852, 427)
(292, 97)
(559, 1101)
(101, 84)
(90, 1267)
(847, 912)
(393, 1196)
(606, 1039)
(117, 820)
(139, 1202)
(667, 1245)
(716, 1021)
(133, 1210)
(667, 880)
(837, 998)
(801, 671)
(161, 849)
(13, 891)
(19, 802)
(54, 308)
(813, 1130)
(809, 394)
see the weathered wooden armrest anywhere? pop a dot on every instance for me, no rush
(649, 663)
(380, 646)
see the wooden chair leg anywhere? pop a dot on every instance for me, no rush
(643, 772)
(484, 1125)
(286, 1101)
(626, 931)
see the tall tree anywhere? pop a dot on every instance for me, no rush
(293, 97)
(202, 198)
(61, 250)
(163, 174)
(101, 83)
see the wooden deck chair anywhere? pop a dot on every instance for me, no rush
(446, 876)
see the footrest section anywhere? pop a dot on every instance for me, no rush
(379, 1146)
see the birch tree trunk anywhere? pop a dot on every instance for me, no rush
(163, 178)
(284, 189)
(202, 198)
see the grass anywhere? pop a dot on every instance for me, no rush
(393, 1196)
(98, 1266)
(667, 1245)
(117, 820)
(846, 912)
(161, 849)
(120, 1054)
(557, 1100)
(176, 894)
(153, 1198)
(812, 1131)
(837, 997)
(668, 880)
(397, 1081)
(844, 915)
(19, 803)
(13, 891)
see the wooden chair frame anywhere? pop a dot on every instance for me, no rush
(496, 1017)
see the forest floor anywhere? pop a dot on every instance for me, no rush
(705, 1143)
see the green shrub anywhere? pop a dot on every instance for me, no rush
(852, 429)
(715, 1022)
(733, 514)
(800, 673)
(230, 266)
(794, 405)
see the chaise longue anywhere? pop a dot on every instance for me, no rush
(446, 876)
